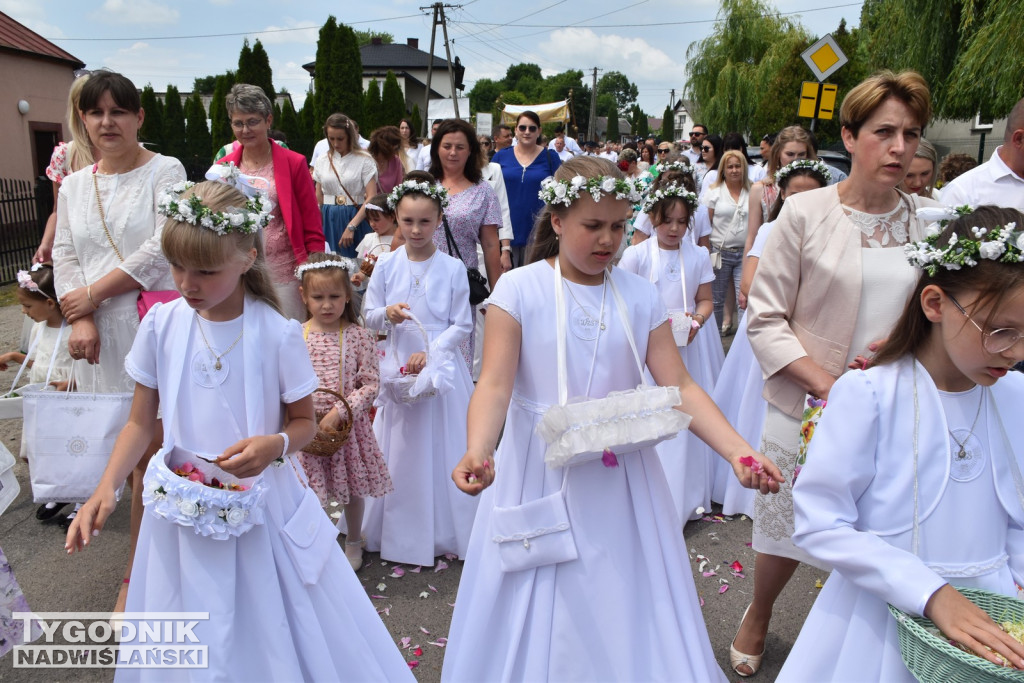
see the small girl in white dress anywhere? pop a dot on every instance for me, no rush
(231, 526)
(422, 440)
(682, 273)
(912, 483)
(625, 608)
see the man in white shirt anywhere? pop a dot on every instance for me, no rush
(569, 144)
(423, 157)
(558, 144)
(697, 135)
(609, 152)
(1000, 180)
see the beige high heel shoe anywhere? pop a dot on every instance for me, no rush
(738, 659)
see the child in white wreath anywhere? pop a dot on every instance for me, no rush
(233, 380)
(625, 608)
(912, 483)
(683, 275)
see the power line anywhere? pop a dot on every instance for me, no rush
(239, 33)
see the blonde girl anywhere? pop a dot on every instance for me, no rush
(344, 356)
(234, 384)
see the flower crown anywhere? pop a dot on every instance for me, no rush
(252, 217)
(343, 263)
(673, 190)
(25, 281)
(436, 192)
(680, 166)
(809, 164)
(1003, 243)
(567, 191)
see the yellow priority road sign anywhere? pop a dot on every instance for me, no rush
(824, 57)
(817, 100)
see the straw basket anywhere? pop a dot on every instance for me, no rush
(327, 442)
(400, 386)
(932, 659)
(370, 259)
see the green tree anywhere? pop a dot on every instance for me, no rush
(197, 134)
(484, 94)
(289, 122)
(668, 124)
(616, 84)
(526, 78)
(204, 85)
(309, 127)
(371, 108)
(392, 109)
(325, 99)
(350, 74)
(612, 129)
(262, 74)
(173, 125)
(366, 37)
(969, 51)
(731, 70)
(338, 78)
(152, 131)
(220, 123)
(416, 119)
(638, 125)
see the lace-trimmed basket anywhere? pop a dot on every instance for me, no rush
(933, 660)
(327, 442)
(217, 513)
(400, 387)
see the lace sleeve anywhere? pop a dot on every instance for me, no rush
(67, 269)
(147, 264)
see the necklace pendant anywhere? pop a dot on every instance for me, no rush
(217, 366)
(962, 453)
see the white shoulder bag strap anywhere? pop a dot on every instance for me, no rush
(32, 349)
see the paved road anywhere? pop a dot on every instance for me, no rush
(89, 581)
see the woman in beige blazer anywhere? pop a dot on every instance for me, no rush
(832, 280)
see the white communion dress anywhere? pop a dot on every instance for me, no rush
(677, 273)
(626, 607)
(426, 515)
(266, 620)
(854, 509)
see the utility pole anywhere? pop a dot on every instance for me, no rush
(438, 18)
(592, 126)
(672, 99)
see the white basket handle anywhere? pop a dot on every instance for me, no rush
(423, 333)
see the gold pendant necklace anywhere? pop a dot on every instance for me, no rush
(217, 364)
(962, 453)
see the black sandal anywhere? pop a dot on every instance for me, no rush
(45, 513)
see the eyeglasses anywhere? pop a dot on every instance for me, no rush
(485, 143)
(994, 341)
(523, 129)
(250, 124)
(664, 150)
(707, 149)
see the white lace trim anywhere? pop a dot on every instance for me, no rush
(881, 229)
(525, 536)
(969, 570)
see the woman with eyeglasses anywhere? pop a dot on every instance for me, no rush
(296, 229)
(524, 165)
(831, 283)
(710, 153)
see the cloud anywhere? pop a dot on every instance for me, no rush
(31, 14)
(144, 63)
(138, 12)
(635, 57)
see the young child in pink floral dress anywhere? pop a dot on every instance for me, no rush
(344, 357)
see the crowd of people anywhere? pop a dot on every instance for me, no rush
(510, 349)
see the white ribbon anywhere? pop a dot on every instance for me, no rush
(246, 184)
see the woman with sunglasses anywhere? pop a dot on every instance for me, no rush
(524, 165)
(486, 145)
(710, 152)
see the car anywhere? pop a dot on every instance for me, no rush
(831, 157)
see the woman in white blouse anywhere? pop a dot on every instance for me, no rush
(345, 178)
(727, 208)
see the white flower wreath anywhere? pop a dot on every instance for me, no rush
(810, 164)
(668, 191)
(567, 191)
(342, 262)
(246, 220)
(436, 192)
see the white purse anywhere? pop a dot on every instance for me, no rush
(536, 533)
(622, 422)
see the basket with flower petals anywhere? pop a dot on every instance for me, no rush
(327, 441)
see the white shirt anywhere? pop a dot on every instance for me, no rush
(492, 174)
(700, 227)
(423, 157)
(610, 156)
(321, 147)
(692, 155)
(571, 146)
(991, 183)
(564, 155)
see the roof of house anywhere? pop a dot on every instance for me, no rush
(16, 36)
(393, 56)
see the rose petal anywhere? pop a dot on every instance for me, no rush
(397, 573)
(413, 664)
(438, 642)
(451, 556)
(707, 574)
(701, 601)
(418, 652)
(406, 642)
(441, 565)
(431, 588)
(425, 630)
(378, 597)
(416, 570)
(747, 460)
(736, 566)
(335, 515)
(424, 594)
(334, 503)
(739, 575)
(608, 459)
(382, 586)
(700, 511)
(724, 587)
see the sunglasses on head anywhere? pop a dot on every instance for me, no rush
(523, 129)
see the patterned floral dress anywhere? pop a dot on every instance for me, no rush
(467, 212)
(358, 468)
